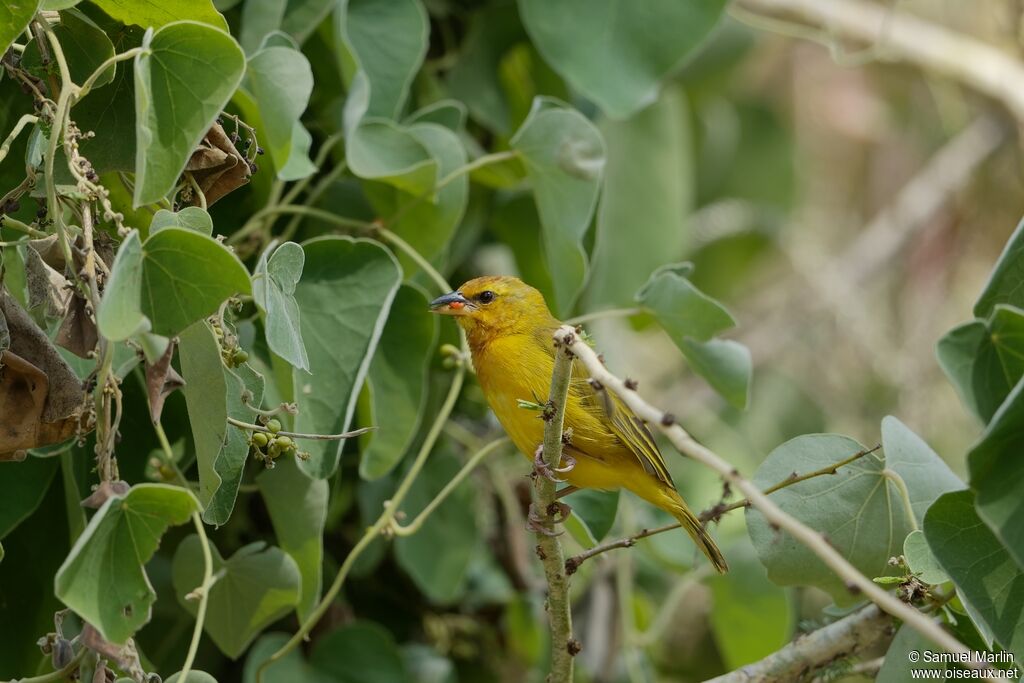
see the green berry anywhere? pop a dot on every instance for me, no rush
(259, 439)
(274, 426)
(240, 356)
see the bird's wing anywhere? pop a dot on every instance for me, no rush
(613, 413)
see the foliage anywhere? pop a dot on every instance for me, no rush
(221, 223)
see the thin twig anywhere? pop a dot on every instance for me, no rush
(299, 435)
(811, 539)
(563, 646)
(713, 513)
(25, 120)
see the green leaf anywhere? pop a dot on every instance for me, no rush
(340, 333)
(183, 79)
(281, 81)
(448, 113)
(997, 473)
(15, 16)
(377, 148)
(212, 394)
(593, 514)
(920, 559)
(858, 508)
(397, 381)
(86, 47)
(190, 218)
(186, 276)
(158, 14)
(22, 487)
(649, 174)
(257, 585)
(386, 151)
(493, 30)
(361, 652)
(103, 579)
(234, 451)
(440, 576)
(260, 18)
(1006, 284)
(986, 575)
(194, 676)
(298, 511)
(691, 319)
(381, 86)
(111, 116)
(926, 475)
(564, 158)
(428, 225)
(425, 665)
(120, 312)
(897, 666)
(750, 618)
(274, 282)
(985, 359)
(616, 52)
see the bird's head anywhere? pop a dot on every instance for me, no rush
(494, 305)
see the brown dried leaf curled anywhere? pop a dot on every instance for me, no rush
(217, 166)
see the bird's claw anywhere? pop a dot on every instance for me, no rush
(537, 524)
(541, 467)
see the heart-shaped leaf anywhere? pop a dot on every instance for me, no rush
(281, 81)
(274, 283)
(340, 334)
(15, 16)
(183, 78)
(186, 276)
(298, 511)
(858, 508)
(564, 158)
(255, 587)
(103, 578)
(691, 319)
(615, 51)
(158, 14)
(397, 381)
(191, 218)
(1006, 283)
(987, 577)
(120, 312)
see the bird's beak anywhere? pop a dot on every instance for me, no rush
(452, 303)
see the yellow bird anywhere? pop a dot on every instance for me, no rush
(510, 332)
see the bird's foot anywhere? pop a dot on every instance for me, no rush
(538, 524)
(541, 467)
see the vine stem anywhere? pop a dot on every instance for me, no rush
(607, 313)
(254, 223)
(811, 539)
(415, 525)
(204, 598)
(25, 120)
(549, 548)
(713, 513)
(390, 509)
(299, 435)
(84, 89)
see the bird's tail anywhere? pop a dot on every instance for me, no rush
(673, 503)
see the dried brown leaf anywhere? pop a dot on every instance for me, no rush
(161, 381)
(78, 332)
(217, 166)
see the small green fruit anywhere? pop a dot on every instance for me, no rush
(274, 426)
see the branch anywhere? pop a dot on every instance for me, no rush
(848, 636)
(712, 514)
(203, 591)
(813, 540)
(563, 646)
(300, 435)
(904, 37)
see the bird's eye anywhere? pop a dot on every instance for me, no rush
(485, 297)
